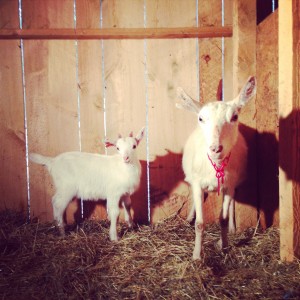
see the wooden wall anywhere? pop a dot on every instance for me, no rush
(267, 121)
(13, 187)
(289, 135)
(76, 92)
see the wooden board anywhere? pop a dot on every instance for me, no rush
(13, 187)
(289, 135)
(91, 94)
(116, 33)
(210, 75)
(170, 64)
(124, 79)
(51, 92)
(267, 121)
(244, 65)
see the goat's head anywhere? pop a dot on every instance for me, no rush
(219, 119)
(126, 146)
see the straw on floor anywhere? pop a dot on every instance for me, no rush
(149, 262)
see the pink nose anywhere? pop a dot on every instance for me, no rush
(216, 148)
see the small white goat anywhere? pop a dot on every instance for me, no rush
(215, 157)
(94, 176)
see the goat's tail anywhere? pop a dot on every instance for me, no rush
(40, 159)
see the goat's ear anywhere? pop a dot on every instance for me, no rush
(140, 135)
(109, 143)
(247, 92)
(187, 102)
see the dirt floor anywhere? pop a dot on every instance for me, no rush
(149, 262)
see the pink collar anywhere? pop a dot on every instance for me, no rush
(220, 170)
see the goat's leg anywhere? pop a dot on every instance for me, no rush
(199, 224)
(191, 214)
(231, 217)
(113, 212)
(59, 204)
(126, 202)
(227, 202)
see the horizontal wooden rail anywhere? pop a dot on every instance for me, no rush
(116, 33)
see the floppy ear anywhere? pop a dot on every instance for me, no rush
(140, 135)
(247, 92)
(109, 143)
(187, 102)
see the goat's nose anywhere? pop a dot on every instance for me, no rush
(216, 148)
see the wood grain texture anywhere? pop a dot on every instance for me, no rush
(289, 135)
(51, 90)
(170, 64)
(210, 74)
(125, 89)
(267, 121)
(116, 33)
(91, 93)
(244, 65)
(13, 187)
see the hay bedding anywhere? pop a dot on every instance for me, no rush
(150, 262)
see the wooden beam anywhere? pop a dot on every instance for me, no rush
(289, 129)
(117, 33)
(244, 65)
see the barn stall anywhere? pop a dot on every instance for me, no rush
(74, 72)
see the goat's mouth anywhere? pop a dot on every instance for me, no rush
(216, 156)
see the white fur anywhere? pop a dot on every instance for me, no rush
(217, 136)
(94, 176)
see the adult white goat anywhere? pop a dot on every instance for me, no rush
(94, 176)
(215, 157)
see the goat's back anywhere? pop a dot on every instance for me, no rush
(93, 176)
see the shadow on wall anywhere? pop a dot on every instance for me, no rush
(289, 129)
(266, 171)
(260, 189)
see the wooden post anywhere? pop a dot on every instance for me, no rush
(13, 187)
(267, 121)
(244, 65)
(289, 129)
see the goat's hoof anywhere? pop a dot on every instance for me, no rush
(221, 246)
(113, 238)
(196, 255)
(231, 230)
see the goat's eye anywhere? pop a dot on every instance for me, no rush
(234, 118)
(118, 148)
(200, 119)
(134, 146)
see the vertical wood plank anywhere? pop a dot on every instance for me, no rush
(125, 95)
(170, 63)
(210, 75)
(267, 120)
(50, 70)
(91, 92)
(228, 57)
(13, 187)
(289, 136)
(244, 65)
